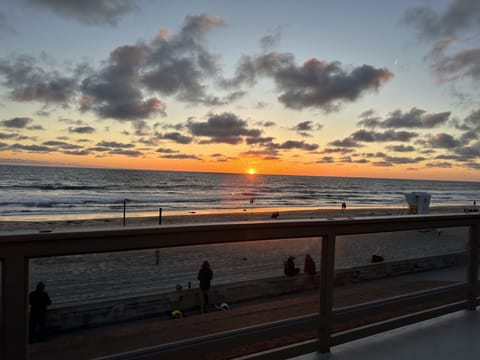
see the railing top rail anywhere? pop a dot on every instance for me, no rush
(102, 240)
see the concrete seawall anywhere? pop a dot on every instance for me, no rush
(69, 318)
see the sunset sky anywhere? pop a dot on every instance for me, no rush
(368, 88)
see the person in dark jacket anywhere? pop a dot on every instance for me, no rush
(309, 267)
(205, 276)
(39, 301)
(289, 267)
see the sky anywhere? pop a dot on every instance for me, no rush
(373, 88)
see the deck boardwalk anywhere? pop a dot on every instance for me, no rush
(86, 344)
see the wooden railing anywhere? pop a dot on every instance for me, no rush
(16, 251)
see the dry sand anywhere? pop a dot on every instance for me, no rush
(197, 218)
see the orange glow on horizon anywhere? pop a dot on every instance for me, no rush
(251, 171)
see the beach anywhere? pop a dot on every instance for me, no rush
(90, 278)
(202, 217)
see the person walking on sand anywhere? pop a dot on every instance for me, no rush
(205, 276)
(39, 301)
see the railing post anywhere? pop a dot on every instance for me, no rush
(327, 278)
(14, 307)
(472, 268)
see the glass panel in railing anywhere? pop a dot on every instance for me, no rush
(1, 306)
(115, 302)
(375, 267)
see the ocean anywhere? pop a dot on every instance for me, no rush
(30, 192)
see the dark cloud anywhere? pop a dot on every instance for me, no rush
(61, 144)
(382, 163)
(304, 127)
(179, 64)
(5, 136)
(93, 12)
(345, 143)
(259, 140)
(265, 123)
(439, 164)
(166, 151)
(31, 148)
(403, 160)
(122, 151)
(77, 153)
(316, 83)
(28, 81)
(292, 144)
(81, 130)
(443, 141)
(459, 16)
(389, 135)
(468, 152)
(176, 137)
(114, 144)
(17, 123)
(115, 92)
(181, 156)
(326, 160)
(401, 148)
(223, 128)
(415, 118)
(338, 150)
(464, 63)
(446, 30)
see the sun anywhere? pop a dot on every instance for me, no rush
(251, 171)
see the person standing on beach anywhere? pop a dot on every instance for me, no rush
(39, 301)
(205, 276)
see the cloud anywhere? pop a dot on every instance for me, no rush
(389, 135)
(179, 64)
(28, 81)
(31, 148)
(114, 144)
(223, 128)
(415, 118)
(345, 143)
(176, 137)
(115, 91)
(443, 141)
(447, 30)
(16, 123)
(401, 148)
(439, 164)
(77, 153)
(92, 12)
(81, 130)
(61, 144)
(270, 41)
(166, 151)
(122, 151)
(315, 83)
(8, 136)
(461, 15)
(292, 144)
(181, 156)
(326, 160)
(304, 127)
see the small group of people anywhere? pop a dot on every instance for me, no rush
(290, 269)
